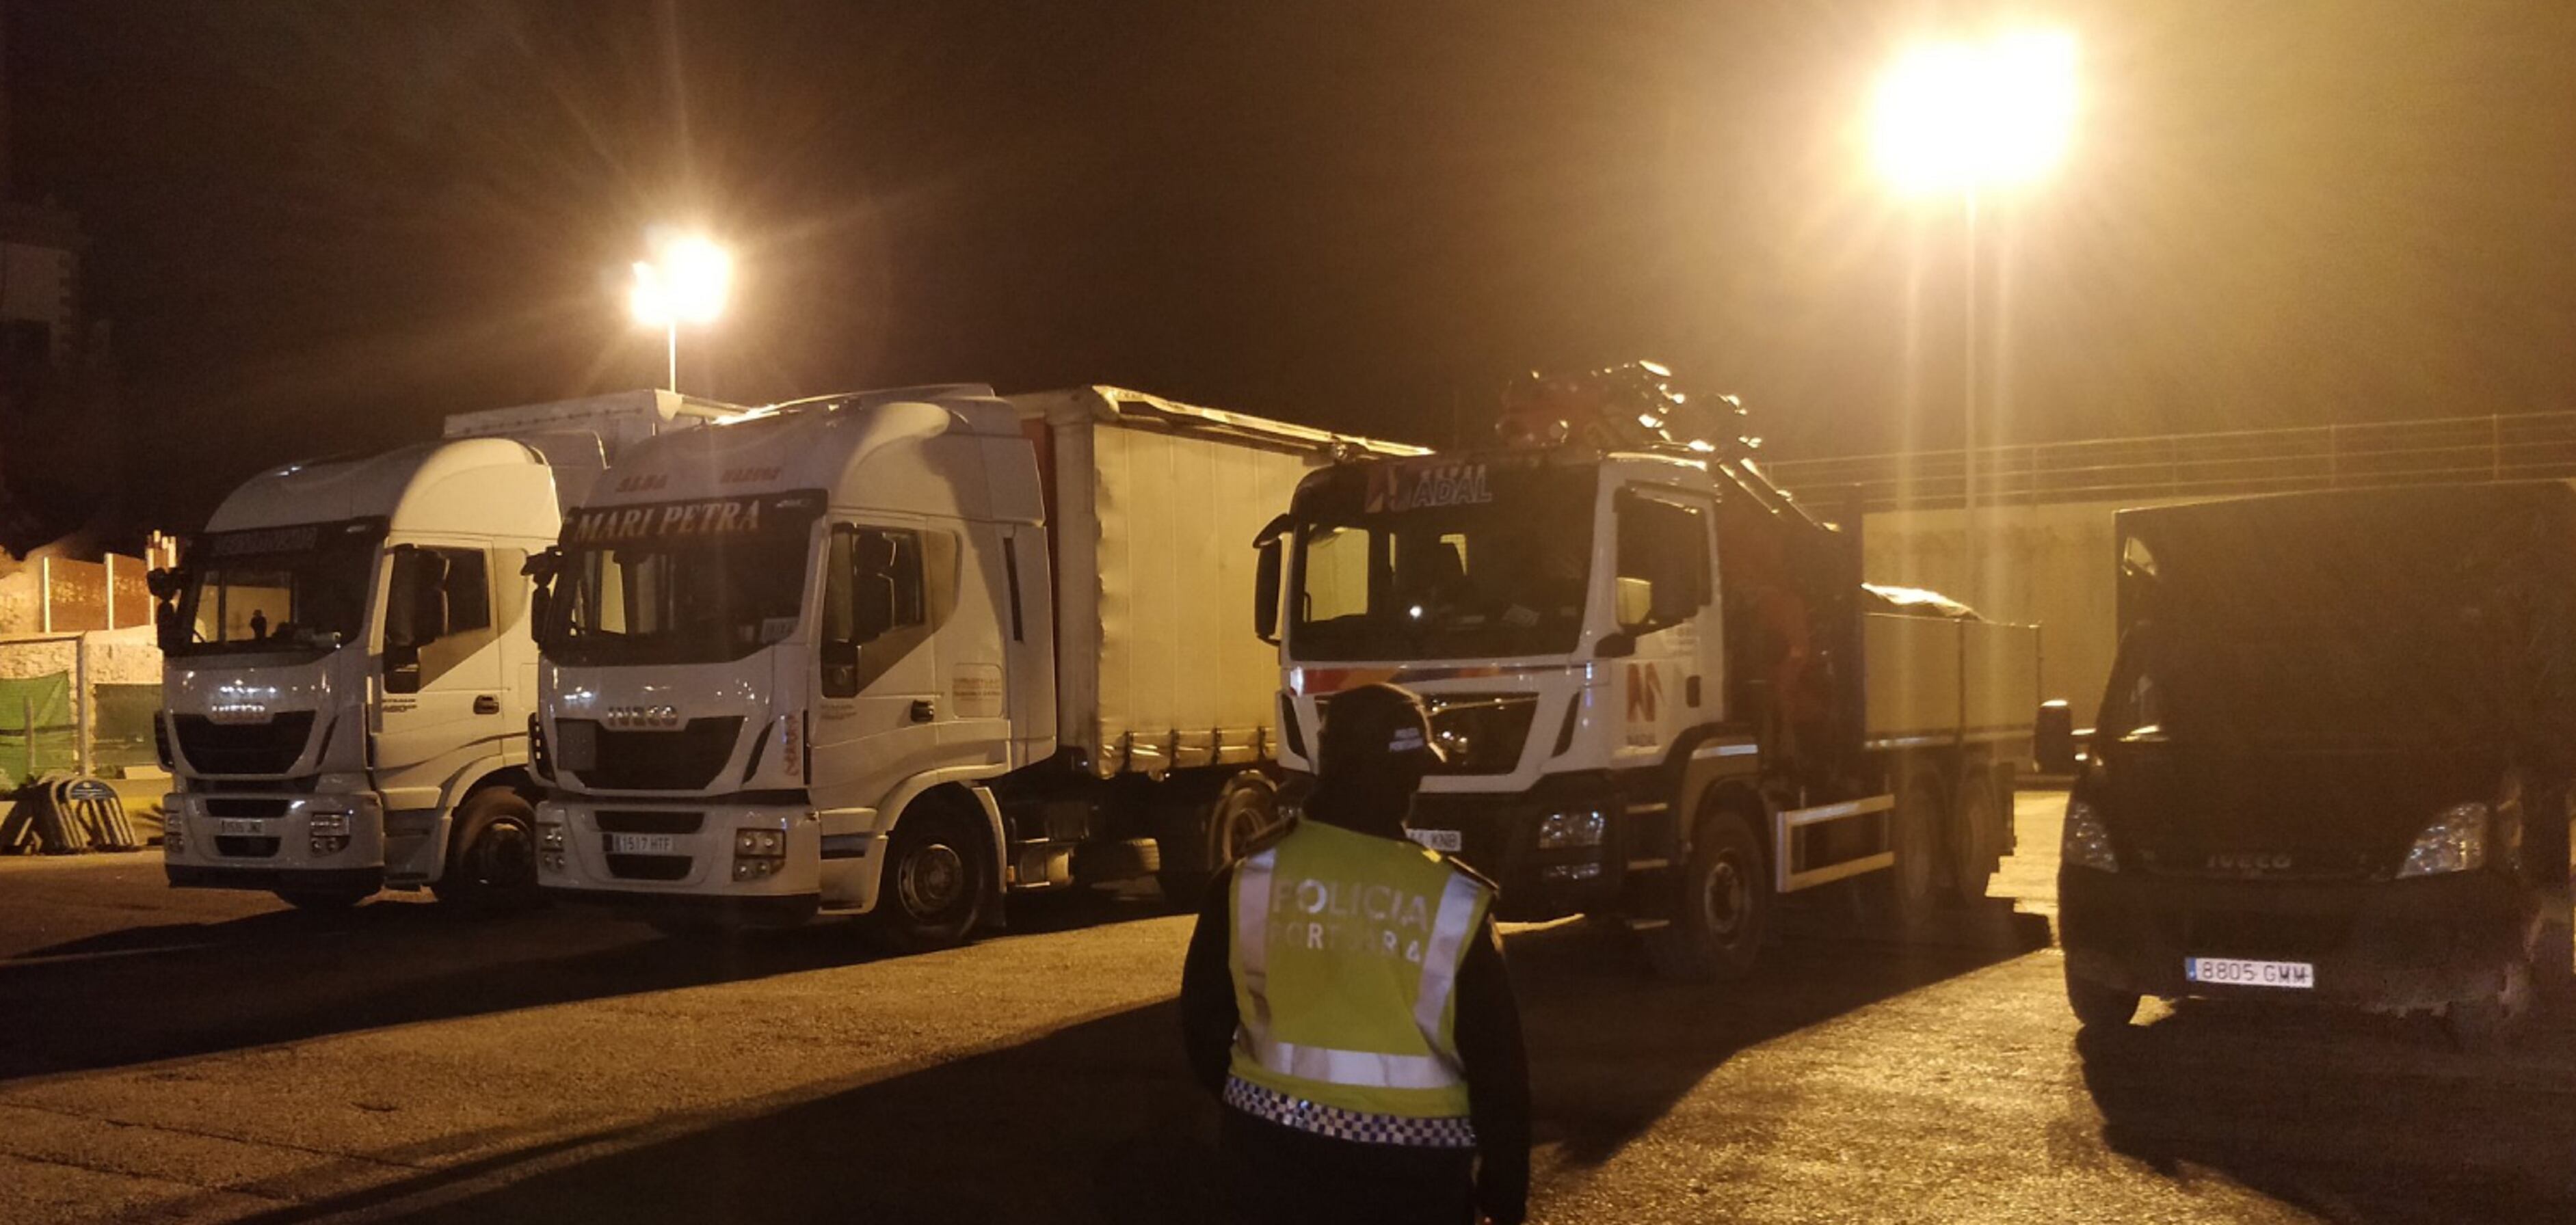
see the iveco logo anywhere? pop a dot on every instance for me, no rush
(2249, 862)
(635, 717)
(237, 712)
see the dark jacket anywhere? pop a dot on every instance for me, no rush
(1488, 1033)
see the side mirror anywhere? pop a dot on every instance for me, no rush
(165, 584)
(540, 570)
(416, 603)
(1265, 592)
(2053, 738)
(169, 628)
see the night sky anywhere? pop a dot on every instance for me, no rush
(319, 227)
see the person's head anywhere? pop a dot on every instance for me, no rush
(1371, 754)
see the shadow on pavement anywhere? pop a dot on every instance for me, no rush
(1612, 1049)
(1099, 1122)
(2359, 1119)
(1093, 1122)
(164, 991)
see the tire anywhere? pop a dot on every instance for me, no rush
(323, 900)
(1972, 841)
(492, 856)
(935, 882)
(1912, 889)
(1215, 838)
(2100, 1007)
(1721, 905)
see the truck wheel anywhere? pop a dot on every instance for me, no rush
(323, 900)
(1246, 810)
(1972, 837)
(933, 890)
(492, 855)
(1912, 886)
(2100, 1007)
(1721, 906)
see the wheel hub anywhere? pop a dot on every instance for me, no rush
(504, 857)
(1244, 821)
(932, 880)
(1726, 897)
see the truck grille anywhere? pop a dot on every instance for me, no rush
(2334, 864)
(648, 867)
(2258, 933)
(1482, 733)
(648, 822)
(250, 806)
(687, 759)
(244, 748)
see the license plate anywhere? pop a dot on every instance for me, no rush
(643, 844)
(1439, 839)
(241, 827)
(2236, 972)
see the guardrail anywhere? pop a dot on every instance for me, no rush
(2495, 448)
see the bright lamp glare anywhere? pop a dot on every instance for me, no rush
(686, 284)
(1958, 116)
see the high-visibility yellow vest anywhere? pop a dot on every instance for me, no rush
(1346, 952)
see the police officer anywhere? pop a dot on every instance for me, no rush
(1345, 996)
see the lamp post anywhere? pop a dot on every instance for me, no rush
(1960, 118)
(685, 282)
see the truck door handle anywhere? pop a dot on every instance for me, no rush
(486, 704)
(1690, 692)
(924, 710)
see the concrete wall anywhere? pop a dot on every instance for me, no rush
(2049, 565)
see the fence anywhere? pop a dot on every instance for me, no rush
(78, 703)
(2495, 448)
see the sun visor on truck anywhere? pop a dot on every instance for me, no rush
(693, 520)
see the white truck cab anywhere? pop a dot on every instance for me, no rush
(901, 653)
(348, 673)
(1664, 691)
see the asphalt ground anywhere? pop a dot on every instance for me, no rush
(192, 1056)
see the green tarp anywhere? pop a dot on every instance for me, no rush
(36, 735)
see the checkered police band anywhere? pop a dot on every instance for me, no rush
(1340, 1124)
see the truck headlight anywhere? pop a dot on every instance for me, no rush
(322, 824)
(1560, 830)
(2456, 841)
(2087, 844)
(550, 836)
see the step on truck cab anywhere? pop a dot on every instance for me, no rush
(348, 672)
(2336, 759)
(1664, 692)
(898, 654)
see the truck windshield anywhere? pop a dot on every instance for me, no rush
(2315, 683)
(296, 588)
(1441, 560)
(687, 583)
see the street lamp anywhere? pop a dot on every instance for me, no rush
(1959, 118)
(685, 282)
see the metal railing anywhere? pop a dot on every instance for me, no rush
(2525, 446)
